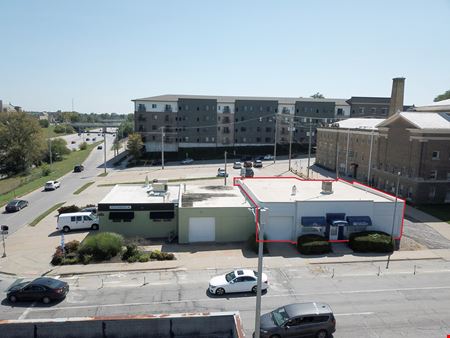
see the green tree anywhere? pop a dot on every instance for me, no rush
(44, 123)
(22, 142)
(64, 129)
(59, 149)
(442, 97)
(135, 145)
(125, 129)
(317, 96)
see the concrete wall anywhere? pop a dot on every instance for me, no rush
(226, 325)
(141, 225)
(232, 224)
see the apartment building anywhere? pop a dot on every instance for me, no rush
(195, 121)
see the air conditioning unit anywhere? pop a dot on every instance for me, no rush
(327, 187)
(159, 187)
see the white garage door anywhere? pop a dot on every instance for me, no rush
(202, 229)
(279, 228)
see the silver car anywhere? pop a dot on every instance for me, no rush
(299, 320)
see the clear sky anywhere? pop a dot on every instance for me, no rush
(105, 53)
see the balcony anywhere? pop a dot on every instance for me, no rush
(168, 109)
(141, 119)
(226, 109)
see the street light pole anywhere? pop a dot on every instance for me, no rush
(275, 141)
(104, 149)
(260, 216)
(309, 149)
(290, 142)
(162, 147)
(346, 155)
(393, 217)
(370, 159)
(225, 177)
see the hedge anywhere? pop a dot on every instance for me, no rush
(313, 245)
(102, 246)
(371, 241)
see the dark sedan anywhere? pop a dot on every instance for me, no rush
(16, 205)
(41, 289)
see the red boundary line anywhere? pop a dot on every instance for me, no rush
(257, 207)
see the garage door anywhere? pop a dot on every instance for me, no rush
(202, 229)
(279, 228)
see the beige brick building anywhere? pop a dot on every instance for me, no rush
(414, 144)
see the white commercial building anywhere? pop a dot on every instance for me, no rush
(334, 209)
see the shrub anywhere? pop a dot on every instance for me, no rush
(45, 170)
(83, 146)
(102, 246)
(313, 245)
(86, 259)
(155, 254)
(44, 123)
(130, 251)
(58, 256)
(71, 258)
(371, 241)
(144, 258)
(161, 256)
(68, 208)
(254, 245)
(72, 246)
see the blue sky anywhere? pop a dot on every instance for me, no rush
(105, 53)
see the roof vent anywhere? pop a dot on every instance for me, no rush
(327, 187)
(294, 190)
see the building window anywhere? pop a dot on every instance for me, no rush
(448, 175)
(432, 192)
(121, 216)
(432, 175)
(155, 117)
(340, 111)
(373, 110)
(154, 105)
(361, 110)
(162, 215)
(141, 107)
(258, 139)
(435, 155)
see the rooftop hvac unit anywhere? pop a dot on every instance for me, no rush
(159, 187)
(327, 187)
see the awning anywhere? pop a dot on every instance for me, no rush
(359, 220)
(331, 217)
(314, 221)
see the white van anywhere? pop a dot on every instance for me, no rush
(77, 220)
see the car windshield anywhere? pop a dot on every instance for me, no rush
(230, 276)
(13, 202)
(280, 316)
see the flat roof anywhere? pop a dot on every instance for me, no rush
(138, 193)
(280, 190)
(213, 196)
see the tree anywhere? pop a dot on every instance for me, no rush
(59, 149)
(125, 129)
(135, 145)
(22, 142)
(442, 97)
(44, 123)
(317, 96)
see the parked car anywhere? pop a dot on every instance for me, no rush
(78, 168)
(52, 185)
(257, 164)
(187, 161)
(247, 172)
(299, 320)
(88, 139)
(99, 134)
(237, 281)
(79, 134)
(99, 147)
(92, 210)
(248, 164)
(268, 157)
(16, 205)
(42, 289)
(237, 165)
(73, 142)
(77, 220)
(221, 172)
(93, 139)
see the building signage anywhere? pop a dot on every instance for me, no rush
(120, 207)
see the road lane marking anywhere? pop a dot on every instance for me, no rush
(27, 311)
(354, 314)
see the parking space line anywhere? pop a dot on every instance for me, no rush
(27, 311)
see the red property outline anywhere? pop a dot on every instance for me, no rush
(257, 207)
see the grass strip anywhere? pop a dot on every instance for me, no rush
(103, 174)
(84, 187)
(35, 179)
(441, 211)
(45, 214)
(172, 181)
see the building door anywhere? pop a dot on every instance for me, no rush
(279, 228)
(334, 232)
(202, 229)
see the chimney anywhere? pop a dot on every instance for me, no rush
(398, 92)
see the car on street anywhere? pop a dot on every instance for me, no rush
(268, 157)
(42, 289)
(52, 185)
(257, 164)
(244, 280)
(221, 173)
(78, 168)
(99, 147)
(248, 164)
(77, 220)
(187, 161)
(88, 139)
(299, 320)
(237, 165)
(16, 205)
(247, 172)
(73, 142)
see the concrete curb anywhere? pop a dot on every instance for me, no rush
(376, 260)
(72, 273)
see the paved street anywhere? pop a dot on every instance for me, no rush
(395, 304)
(41, 200)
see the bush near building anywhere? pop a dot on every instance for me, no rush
(313, 245)
(371, 241)
(102, 246)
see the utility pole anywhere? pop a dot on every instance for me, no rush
(162, 148)
(260, 216)
(290, 142)
(393, 217)
(346, 155)
(309, 149)
(275, 142)
(337, 160)
(225, 177)
(104, 149)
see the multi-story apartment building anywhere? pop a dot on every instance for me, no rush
(195, 121)
(411, 147)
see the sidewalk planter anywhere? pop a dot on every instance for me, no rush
(313, 245)
(371, 241)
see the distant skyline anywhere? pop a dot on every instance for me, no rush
(102, 54)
